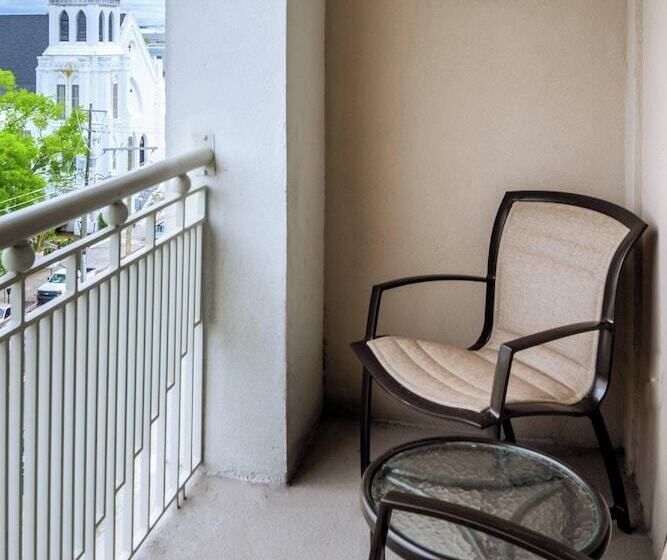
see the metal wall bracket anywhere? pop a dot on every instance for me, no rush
(207, 140)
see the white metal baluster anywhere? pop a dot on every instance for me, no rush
(154, 376)
(156, 282)
(68, 431)
(186, 291)
(185, 399)
(149, 334)
(4, 456)
(121, 402)
(176, 392)
(197, 404)
(80, 422)
(157, 332)
(198, 273)
(171, 368)
(173, 362)
(43, 448)
(189, 397)
(90, 506)
(15, 444)
(112, 398)
(171, 338)
(180, 259)
(144, 457)
(193, 345)
(157, 503)
(57, 434)
(15, 451)
(141, 357)
(130, 410)
(30, 347)
(197, 407)
(102, 409)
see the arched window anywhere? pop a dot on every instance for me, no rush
(111, 25)
(142, 150)
(101, 25)
(64, 26)
(81, 30)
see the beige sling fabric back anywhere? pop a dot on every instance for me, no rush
(552, 268)
(551, 271)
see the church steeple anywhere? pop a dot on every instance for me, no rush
(83, 22)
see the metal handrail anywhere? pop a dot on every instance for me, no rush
(15, 228)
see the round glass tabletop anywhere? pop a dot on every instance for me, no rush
(508, 481)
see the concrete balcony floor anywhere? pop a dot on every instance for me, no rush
(319, 515)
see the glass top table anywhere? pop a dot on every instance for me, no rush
(508, 481)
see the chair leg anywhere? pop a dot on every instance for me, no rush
(494, 432)
(619, 510)
(509, 431)
(377, 549)
(366, 399)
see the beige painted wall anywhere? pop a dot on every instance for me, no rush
(652, 432)
(434, 109)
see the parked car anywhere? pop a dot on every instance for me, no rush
(5, 312)
(55, 286)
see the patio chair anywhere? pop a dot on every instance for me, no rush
(546, 344)
(476, 520)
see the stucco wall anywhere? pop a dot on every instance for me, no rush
(434, 109)
(652, 432)
(305, 221)
(238, 81)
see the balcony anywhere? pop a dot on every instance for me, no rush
(190, 397)
(104, 392)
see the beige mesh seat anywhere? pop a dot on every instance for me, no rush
(461, 378)
(546, 343)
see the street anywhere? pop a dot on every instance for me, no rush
(97, 257)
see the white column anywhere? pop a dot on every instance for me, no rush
(251, 72)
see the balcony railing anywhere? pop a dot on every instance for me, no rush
(101, 387)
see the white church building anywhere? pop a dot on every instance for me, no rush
(97, 57)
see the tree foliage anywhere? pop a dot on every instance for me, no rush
(37, 146)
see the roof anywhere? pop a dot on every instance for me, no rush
(22, 39)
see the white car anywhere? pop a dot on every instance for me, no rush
(5, 313)
(53, 288)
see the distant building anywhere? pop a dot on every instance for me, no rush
(155, 39)
(22, 40)
(85, 52)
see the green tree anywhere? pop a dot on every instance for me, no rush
(37, 146)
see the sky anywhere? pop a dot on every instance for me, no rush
(146, 11)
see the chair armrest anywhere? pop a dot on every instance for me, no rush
(379, 289)
(468, 517)
(508, 349)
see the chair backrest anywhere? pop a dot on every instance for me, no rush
(556, 258)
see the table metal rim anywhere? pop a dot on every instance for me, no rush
(401, 544)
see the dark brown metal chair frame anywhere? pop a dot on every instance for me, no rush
(499, 413)
(461, 515)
